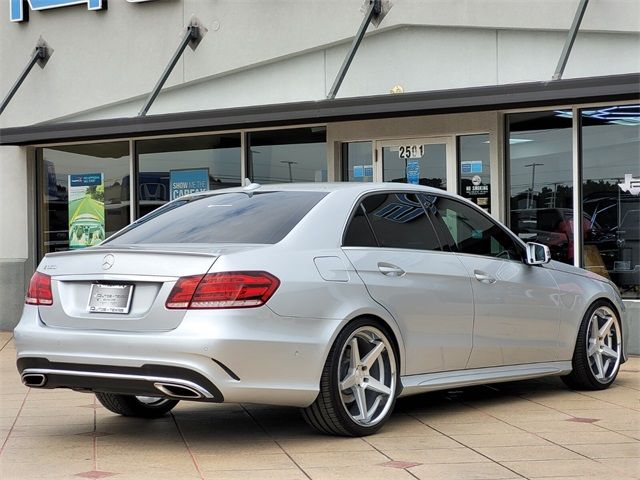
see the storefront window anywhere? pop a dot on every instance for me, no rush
(474, 167)
(286, 156)
(83, 194)
(357, 162)
(539, 166)
(171, 167)
(611, 194)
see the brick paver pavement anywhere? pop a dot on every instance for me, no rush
(530, 429)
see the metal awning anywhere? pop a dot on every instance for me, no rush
(610, 88)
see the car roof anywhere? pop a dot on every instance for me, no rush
(356, 187)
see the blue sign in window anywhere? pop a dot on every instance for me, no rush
(474, 166)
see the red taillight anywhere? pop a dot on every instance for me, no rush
(39, 292)
(223, 290)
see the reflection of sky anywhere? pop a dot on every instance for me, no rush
(610, 151)
(223, 163)
(225, 218)
(76, 193)
(67, 163)
(270, 163)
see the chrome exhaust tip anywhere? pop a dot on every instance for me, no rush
(34, 380)
(175, 390)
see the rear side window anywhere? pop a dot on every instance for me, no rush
(264, 217)
(398, 221)
(359, 233)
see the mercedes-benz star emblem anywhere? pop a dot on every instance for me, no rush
(108, 261)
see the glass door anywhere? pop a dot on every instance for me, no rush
(421, 161)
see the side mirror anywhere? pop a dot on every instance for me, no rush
(537, 254)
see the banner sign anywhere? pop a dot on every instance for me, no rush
(184, 182)
(18, 12)
(86, 209)
(19, 9)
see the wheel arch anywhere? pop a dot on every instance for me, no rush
(620, 313)
(385, 319)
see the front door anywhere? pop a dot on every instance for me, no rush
(517, 312)
(421, 161)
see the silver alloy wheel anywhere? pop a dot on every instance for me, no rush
(152, 401)
(604, 344)
(367, 376)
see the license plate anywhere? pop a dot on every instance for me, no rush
(110, 298)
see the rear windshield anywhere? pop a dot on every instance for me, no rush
(265, 217)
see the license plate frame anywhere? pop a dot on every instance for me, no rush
(110, 298)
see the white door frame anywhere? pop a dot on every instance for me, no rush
(451, 156)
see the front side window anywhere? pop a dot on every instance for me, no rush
(398, 220)
(265, 217)
(474, 233)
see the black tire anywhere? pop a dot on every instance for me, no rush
(131, 406)
(582, 377)
(328, 414)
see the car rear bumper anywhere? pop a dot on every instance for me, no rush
(243, 355)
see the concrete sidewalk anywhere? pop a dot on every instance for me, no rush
(531, 429)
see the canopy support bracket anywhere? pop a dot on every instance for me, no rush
(374, 12)
(40, 55)
(571, 37)
(192, 37)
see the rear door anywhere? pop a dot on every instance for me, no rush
(393, 247)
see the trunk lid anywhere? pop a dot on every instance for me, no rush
(151, 270)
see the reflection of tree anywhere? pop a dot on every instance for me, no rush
(590, 187)
(553, 196)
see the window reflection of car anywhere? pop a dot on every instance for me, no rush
(550, 226)
(554, 228)
(626, 267)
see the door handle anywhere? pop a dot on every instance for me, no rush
(390, 270)
(484, 277)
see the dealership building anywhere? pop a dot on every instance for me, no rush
(489, 99)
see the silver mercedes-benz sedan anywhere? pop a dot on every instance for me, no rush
(336, 298)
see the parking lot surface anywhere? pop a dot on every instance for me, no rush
(530, 429)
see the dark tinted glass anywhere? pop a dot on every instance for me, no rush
(359, 233)
(399, 221)
(225, 218)
(475, 233)
(611, 195)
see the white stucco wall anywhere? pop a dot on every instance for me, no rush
(284, 50)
